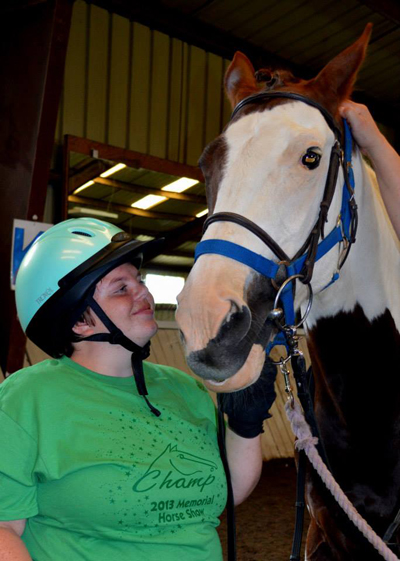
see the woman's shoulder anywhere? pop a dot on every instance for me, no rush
(28, 380)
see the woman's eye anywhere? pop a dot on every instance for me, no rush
(311, 159)
(121, 288)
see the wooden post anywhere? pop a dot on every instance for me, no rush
(33, 46)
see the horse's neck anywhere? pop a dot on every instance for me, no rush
(370, 277)
(354, 333)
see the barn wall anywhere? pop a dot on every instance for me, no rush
(137, 88)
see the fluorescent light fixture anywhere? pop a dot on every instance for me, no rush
(84, 186)
(144, 238)
(148, 201)
(164, 288)
(202, 213)
(180, 185)
(112, 170)
(92, 211)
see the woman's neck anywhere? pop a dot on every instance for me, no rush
(103, 358)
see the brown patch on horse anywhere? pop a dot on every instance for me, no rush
(336, 80)
(357, 410)
(212, 164)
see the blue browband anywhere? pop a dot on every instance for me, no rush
(343, 232)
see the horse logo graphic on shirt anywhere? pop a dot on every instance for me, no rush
(185, 467)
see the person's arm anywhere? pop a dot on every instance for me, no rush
(384, 158)
(12, 548)
(245, 463)
(246, 411)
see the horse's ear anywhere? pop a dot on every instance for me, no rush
(336, 79)
(240, 81)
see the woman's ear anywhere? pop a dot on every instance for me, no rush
(84, 325)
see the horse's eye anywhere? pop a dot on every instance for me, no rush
(311, 159)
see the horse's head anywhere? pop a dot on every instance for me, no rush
(270, 166)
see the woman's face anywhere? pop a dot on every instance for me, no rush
(128, 303)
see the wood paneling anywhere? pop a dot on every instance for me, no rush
(117, 122)
(140, 89)
(214, 98)
(74, 97)
(98, 74)
(196, 105)
(159, 97)
(176, 99)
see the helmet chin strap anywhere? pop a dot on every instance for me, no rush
(116, 337)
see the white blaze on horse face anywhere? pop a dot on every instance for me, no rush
(265, 179)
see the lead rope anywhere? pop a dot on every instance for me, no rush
(307, 442)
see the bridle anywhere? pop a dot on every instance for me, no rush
(316, 245)
(300, 267)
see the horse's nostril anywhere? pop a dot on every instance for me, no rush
(234, 309)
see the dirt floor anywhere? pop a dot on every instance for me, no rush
(265, 522)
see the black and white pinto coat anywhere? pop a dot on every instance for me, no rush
(255, 168)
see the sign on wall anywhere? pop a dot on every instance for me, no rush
(25, 233)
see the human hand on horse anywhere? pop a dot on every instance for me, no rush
(363, 127)
(384, 158)
(248, 408)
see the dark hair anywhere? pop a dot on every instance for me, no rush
(63, 337)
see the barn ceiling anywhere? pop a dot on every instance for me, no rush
(302, 35)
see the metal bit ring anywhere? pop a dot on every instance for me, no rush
(310, 298)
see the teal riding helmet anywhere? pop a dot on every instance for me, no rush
(62, 268)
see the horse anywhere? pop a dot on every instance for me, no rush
(270, 166)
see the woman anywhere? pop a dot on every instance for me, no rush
(95, 465)
(384, 158)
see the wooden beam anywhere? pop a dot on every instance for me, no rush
(135, 188)
(179, 253)
(131, 158)
(33, 46)
(183, 234)
(87, 173)
(165, 269)
(104, 205)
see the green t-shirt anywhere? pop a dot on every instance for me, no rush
(98, 476)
